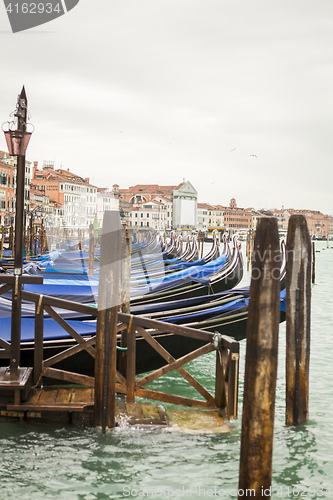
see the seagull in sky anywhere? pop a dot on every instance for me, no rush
(254, 155)
(231, 150)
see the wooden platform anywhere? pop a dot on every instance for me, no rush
(75, 405)
(81, 400)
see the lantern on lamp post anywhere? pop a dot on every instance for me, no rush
(17, 138)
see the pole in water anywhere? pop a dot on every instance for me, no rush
(313, 262)
(255, 471)
(106, 335)
(298, 316)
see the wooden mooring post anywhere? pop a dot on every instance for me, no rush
(249, 247)
(313, 262)
(91, 249)
(2, 240)
(106, 335)
(261, 363)
(298, 316)
(126, 308)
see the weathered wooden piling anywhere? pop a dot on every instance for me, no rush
(261, 362)
(201, 239)
(106, 335)
(249, 246)
(313, 262)
(11, 239)
(298, 315)
(2, 240)
(248, 249)
(91, 249)
(126, 308)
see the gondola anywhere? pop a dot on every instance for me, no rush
(224, 312)
(225, 278)
(210, 277)
(231, 322)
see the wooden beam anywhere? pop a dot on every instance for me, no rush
(39, 337)
(220, 392)
(107, 319)
(163, 327)
(91, 249)
(174, 365)
(5, 288)
(298, 318)
(66, 376)
(60, 303)
(261, 361)
(171, 398)
(69, 352)
(170, 359)
(131, 360)
(79, 339)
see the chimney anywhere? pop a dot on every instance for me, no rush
(34, 169)
(87, 180)
(68, 170)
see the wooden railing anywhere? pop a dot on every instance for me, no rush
(226, 372)
(43, 367)
(227, 355)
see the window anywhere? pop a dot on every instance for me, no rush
(148, 214)
(141, 216)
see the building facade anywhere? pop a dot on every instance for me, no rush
(74, 193)
(8, 187)
(149, 214)
(180, 202)
(318, 223)
(106, 200)
(184, 206)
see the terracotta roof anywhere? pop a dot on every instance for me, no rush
(150, 188)
(62, 175)
(164, 198)
(206, 205)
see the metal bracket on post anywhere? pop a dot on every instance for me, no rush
(217, 341)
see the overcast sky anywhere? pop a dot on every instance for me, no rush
(157, 91)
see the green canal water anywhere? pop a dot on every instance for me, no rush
(39, 461)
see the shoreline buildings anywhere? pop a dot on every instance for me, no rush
(59, 197)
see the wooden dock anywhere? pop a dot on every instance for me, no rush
(75, 406)
(109, 397)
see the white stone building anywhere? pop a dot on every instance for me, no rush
(185, 201)
(106, 200)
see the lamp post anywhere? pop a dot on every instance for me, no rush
(17, 139)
